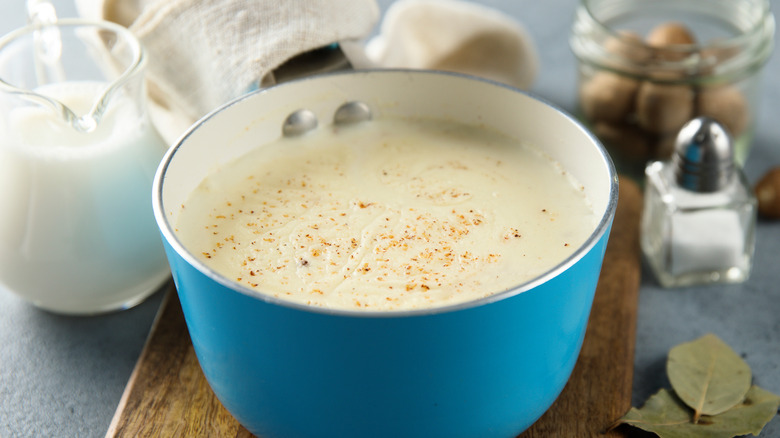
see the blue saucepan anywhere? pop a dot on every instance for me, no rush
(486, 368)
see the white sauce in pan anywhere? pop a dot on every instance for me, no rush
(390, 214)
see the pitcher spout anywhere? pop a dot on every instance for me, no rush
(112, 56)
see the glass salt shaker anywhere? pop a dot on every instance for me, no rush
(698, 225)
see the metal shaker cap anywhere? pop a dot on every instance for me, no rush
(703, 156)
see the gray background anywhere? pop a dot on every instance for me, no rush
(63, 376)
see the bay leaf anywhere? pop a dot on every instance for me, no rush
(665, 415)
(708, 375)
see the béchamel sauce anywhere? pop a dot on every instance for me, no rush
(390, 214)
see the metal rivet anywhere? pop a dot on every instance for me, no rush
(298, 123)
(352, 112)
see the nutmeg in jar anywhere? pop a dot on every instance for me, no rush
(647, 68)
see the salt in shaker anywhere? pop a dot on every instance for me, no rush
(698, 224)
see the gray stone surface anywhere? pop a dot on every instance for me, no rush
(63, 376)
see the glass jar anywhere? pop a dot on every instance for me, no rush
(648, 67)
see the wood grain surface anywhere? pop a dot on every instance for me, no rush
(599, 390)
(167, 394)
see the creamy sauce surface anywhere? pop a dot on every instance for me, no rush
(391, 214)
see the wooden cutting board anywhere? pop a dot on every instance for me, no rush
(167, 394)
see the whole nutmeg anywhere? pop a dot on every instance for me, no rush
(628, 45)
(608, 96)
(710, 57)
(663, 108)
(669, 34)
(662, 146)
(727, 105)
(768, 194)
(624, 139)
(672, 40)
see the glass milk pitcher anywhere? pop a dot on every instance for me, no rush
(77, 158)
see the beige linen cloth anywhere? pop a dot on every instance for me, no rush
(204, 53)
(456, 36)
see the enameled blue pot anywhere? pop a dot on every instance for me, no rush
(487, 368)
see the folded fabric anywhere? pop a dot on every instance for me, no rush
(203, 53)
(456, 36)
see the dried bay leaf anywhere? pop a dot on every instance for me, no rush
(749, 416)
(663, 414)
(668, 417)
(713, 374)
(708, 375)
